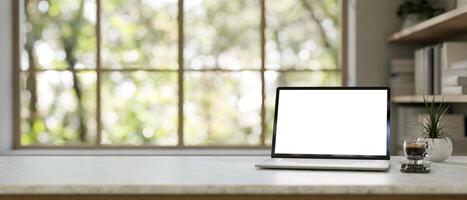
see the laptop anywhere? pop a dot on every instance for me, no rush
(332, 128)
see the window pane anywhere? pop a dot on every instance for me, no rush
(302, 34)
(276, 79)
(222, 33)
(139, 33)
(58, 108)
(139, 108)
(59, 34)
(222, 108)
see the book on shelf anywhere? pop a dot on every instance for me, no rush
(424, 63)
(419, 86)
(455, 81)
(402, 91)
(454, 90)
(454, 72)
(459, 65)
(402, 76)
(437, 62)
(453, 52)
(402, 65)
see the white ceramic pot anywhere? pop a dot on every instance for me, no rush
(441, 148)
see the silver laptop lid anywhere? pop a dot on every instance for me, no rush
(331, 122)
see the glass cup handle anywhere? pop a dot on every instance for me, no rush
(428, 154)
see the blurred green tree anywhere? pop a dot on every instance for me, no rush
(138, 70)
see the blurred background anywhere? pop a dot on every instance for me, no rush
(118, 73)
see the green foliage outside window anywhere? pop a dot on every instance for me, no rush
(137, 77)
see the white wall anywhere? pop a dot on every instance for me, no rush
(6, 121)
(370, 23)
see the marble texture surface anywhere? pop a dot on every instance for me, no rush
(212, 175)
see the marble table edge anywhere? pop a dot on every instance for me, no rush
(232, 189)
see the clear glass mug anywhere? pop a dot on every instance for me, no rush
(416, 151)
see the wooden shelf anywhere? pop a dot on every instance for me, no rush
(436, 29)
(438, 98)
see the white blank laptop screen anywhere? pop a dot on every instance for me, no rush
(336, 122)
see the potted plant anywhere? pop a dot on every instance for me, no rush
(415, 11)
(434, 130)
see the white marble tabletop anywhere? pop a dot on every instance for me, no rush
(212, 175)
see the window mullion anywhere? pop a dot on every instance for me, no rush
(98, 74)
(263, 69)
(180, 72)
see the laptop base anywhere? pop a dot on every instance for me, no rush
(325, 164)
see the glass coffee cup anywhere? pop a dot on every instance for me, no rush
(417, 151)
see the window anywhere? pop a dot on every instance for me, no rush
(166, 73)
